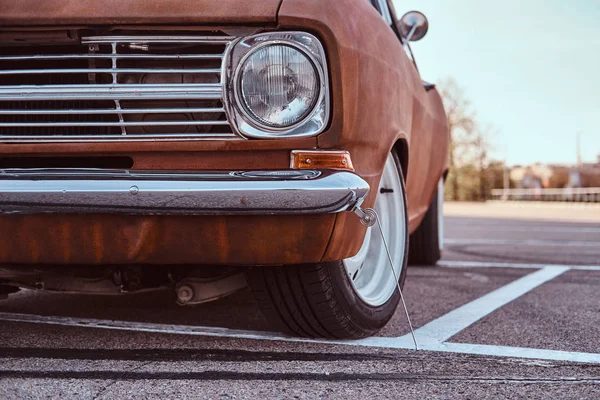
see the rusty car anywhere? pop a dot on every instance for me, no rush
(207, 146)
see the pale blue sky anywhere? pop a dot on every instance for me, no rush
(531, 68)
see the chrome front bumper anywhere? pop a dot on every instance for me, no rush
(179, 193)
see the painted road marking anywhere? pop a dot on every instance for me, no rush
(508, 228)
(442, 328)
(519, 352)
(210, 331)
(455, 321)
(403, 342)
(526, 242)
(542, 204)
(485, 264)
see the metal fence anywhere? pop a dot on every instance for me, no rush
(576, 195)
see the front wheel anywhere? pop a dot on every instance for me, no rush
(348, 299)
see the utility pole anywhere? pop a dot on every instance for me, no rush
(506, 181)
(579, 161)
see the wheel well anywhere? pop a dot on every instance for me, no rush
(401, 148)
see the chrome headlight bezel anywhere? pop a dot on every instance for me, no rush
(313, 123)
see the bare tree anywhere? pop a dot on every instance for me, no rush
(482, 146)
(461, 124)
(470, 145)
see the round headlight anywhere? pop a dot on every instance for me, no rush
(278, 85)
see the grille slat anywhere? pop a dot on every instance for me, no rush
(109, 71)
(110, 92)
(125, 88)
(118, 56)
(66, 138)
(158, 39)
(109, 111)
(88, 123)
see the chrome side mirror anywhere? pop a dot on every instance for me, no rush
(413, 26)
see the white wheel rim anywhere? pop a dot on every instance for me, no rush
(369, 270)
(441, 213)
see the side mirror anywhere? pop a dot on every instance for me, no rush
(413, 26)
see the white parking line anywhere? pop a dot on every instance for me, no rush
(142, 327)
(508, 228)
(519, 352)
(542, 204)
(431, 336)
(448, 325)
(189, 330)
(485, 264)
(526, 242)
(403, 342)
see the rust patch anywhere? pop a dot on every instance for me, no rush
(98, 239)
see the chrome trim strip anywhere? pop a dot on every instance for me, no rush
(111, 71)
(122, 123)
(179, 193)
(162, 137)
(115, 111)
(111, 56)
(158, 39)
(112, 92)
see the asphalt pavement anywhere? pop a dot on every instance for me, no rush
(512, 310)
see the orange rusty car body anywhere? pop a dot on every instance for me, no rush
(376, 101)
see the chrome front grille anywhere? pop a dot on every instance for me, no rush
(117, 88)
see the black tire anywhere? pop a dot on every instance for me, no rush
(319, 300)
(424, 248)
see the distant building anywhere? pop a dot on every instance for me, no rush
(539, 176)
(585, 175)
(536, 176)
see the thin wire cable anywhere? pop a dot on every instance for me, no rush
(412, 331)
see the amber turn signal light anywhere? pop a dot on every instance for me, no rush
(313, 159)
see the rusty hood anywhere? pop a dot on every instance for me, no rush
(126, 12)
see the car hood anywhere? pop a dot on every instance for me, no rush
(126, 12)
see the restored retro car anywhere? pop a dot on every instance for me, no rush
(211, 145)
